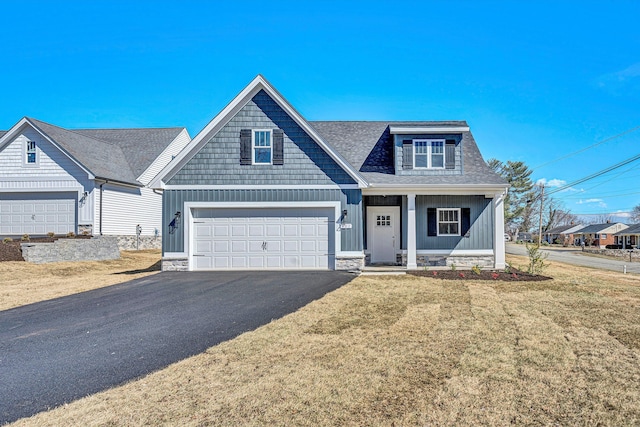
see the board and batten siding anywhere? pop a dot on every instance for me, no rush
(218, 162)
(165, 157)
(173, 201)
(480, 233)
(125, 207)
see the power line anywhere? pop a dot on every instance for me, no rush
(595, 175)
(628, 131)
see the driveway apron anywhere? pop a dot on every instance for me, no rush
(60, 350)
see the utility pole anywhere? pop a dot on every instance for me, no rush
(541, 207)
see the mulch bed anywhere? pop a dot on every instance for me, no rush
(10, 251)
(513, 276)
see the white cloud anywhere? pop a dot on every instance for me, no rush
(620, 82)
(599, 202)
(551, 183)
(622, 214)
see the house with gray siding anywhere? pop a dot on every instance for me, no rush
(84, 181)
(260, 187)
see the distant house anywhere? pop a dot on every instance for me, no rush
(599, 235)
(95, 181)
(629, 237)
(563, 235)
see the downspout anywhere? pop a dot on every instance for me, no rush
(101, 197)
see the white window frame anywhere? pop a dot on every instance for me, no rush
(459, 222)
(253, 146)
(430, 153)
(26, 152)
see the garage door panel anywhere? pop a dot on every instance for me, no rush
(267, 238)
(37, 213)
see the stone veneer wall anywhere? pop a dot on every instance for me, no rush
(128, 243)
(94, 249)
(350, 263)
(485, 261)
(175, 264)
(618, 253)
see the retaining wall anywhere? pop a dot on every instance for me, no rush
(94, 249)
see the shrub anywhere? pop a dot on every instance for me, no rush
(71, 235)
(536, 260)
(51, 234)
(508, 268)
(85, 233)
(495, 275)
(25, 237)
(7, 240)
(476, 269)
(453, 267)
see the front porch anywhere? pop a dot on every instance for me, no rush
(417, 230)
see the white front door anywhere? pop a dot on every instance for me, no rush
(383, 233)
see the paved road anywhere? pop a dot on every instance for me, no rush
(576, 257)
(60, 350)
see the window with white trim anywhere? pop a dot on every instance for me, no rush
(261, 148)
(30, 153)
(428, 153)
(448, 222)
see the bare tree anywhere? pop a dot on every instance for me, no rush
(635, 214)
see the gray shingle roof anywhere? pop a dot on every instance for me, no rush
(595, 228)
(633, 229)
(140, 146)
(368, 146)
(2, 132)
(560, 229)
(115, 154)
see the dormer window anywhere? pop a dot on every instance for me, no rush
(30, 153)
(428, 153)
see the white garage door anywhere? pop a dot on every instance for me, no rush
(262, 238)
(37, 213)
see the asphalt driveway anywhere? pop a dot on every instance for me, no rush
(57, 351)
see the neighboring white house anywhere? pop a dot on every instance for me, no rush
(84, 180)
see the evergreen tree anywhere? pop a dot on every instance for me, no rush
(518, 206)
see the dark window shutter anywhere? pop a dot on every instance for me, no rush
(407, 154)
(450, 154)
(466, 221)
(278, 147)
(432, 222)
(245, 146)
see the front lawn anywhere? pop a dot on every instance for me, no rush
(407, 350)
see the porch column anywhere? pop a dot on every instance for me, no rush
(411, 232)
(498, 232)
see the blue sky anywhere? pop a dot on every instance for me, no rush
(535, 80)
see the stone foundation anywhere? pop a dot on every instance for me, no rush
(175, 264)
(94, 249)
(130, 243)
(465, 262)
(350, 263)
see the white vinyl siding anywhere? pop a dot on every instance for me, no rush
(50, 160)
(123, 208)
(165, 157)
